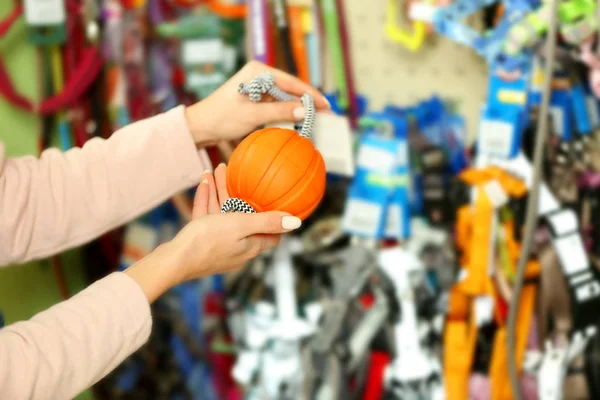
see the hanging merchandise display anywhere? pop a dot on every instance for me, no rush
(432, 262)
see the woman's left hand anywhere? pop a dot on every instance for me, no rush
(211, 193)
(227, 115)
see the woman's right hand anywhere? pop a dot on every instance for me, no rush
(220, 243)
(212, 243)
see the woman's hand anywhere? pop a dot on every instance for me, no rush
(211, 193)
(227, 115)
(212, 243)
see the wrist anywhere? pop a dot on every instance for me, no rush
(198, 125)
(156, 273)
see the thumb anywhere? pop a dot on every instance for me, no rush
(278, 111)
(272, 222)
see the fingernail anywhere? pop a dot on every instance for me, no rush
(206, 171)
(327, 102)
(204, 182)
(290, 223)
(221, 165)
(299, 112)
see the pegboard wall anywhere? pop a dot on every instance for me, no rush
(386, 72)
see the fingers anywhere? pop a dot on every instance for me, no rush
(256, 244)
(263, 242)
(296, 87)
(221, 183)
(272, 222)
(278, 112)
(201, 200)
(291, 84)
(213, 200)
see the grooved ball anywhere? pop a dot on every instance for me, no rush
(276, 169)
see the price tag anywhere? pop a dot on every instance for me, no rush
(374, 159)
(393, 227)
(592, 108)
(362, 217)
(571, 253)
(495, 138)
(557, 121)
(195, 80)
(484, 310)
(229, 59)
(332, 135)
(495, 193)
(202, 51)
(44, 12)
(420, 11)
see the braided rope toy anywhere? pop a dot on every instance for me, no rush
(284, 152)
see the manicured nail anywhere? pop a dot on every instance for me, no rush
(299, 112)
(327, 102)
(290, 223)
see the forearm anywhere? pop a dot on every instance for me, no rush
(66, 199)
(66, 349)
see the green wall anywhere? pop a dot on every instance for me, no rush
(27, 289)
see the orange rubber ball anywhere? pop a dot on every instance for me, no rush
(276, 169)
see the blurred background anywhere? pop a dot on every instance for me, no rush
(415, 278)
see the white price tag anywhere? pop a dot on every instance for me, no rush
(393, 226)
(420, 11)
(44, 12)
(484, 310)
(229, 58)
(495, 138)
(557, 120)
(362, 217)
(564, 222)
(376, 160)
(402, 154)
(592, 109)
(332, 136)
(572, 254)
(495, 193)
(194, 79)
(203, 51)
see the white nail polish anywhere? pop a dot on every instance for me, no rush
(290, 223)
(299, 112)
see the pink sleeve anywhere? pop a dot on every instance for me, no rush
(63, 200)
(66, 349)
